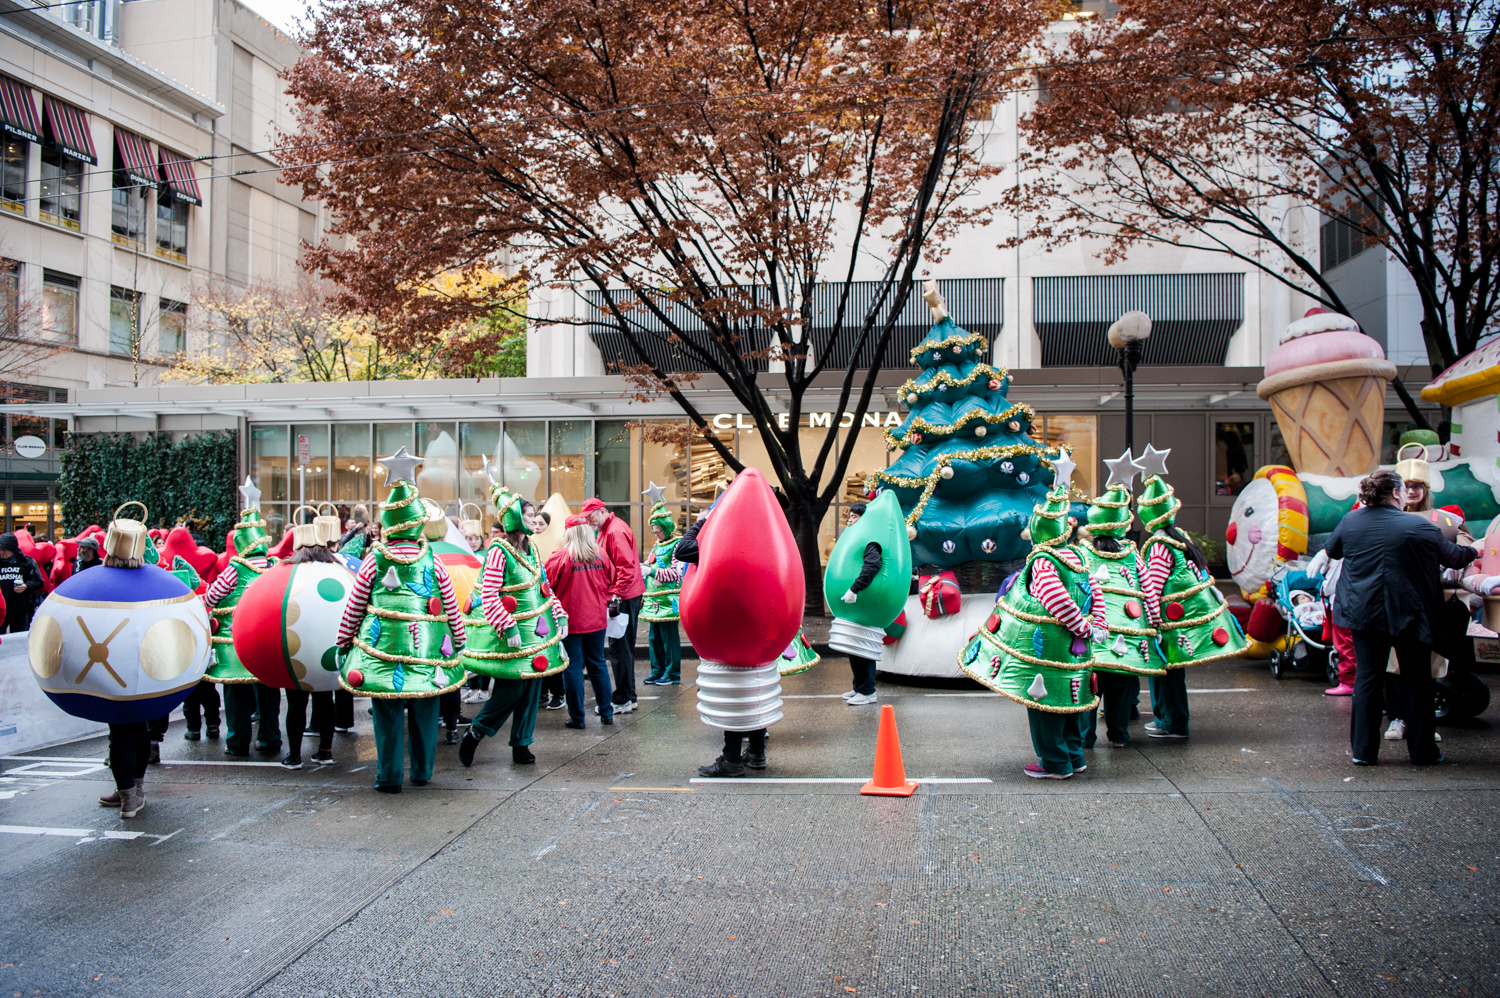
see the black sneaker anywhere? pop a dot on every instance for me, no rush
(155, 759)
(578, 726)
(213, 732)
(555, 703)
(606, 720)
(722, 767)
(755, 760)
(387, 788)
(236, 755)
(322, 757)
(191, 736)
(467, 746)
(292, 762)
(521, 755)
(451, 738)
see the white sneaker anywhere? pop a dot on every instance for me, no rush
(1396, 731)
(860, 699)
(1436, 737)
(851, 693)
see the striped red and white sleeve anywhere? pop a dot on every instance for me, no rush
(489, 591)
(222, 585)
(1047, 586)
(359, 601)
(672, 573)
(450, 601)
(1154, 581)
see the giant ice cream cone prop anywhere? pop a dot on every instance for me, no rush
(1326, 384)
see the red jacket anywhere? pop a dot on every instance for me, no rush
(617, 544)
(582, 589)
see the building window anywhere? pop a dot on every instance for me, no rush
(124, 321)
(171, 228)
(10, 298)
(127, 221)
(1080, 434)
(171, 324)
(1345, 238)
(13, 175)
(62, 186)
(1234, 457)
(59, 307)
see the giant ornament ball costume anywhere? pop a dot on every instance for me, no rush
(742, 605)
(120, 645)
(287, 625)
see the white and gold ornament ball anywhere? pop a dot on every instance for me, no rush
(286, 625)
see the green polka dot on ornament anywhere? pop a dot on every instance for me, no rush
(331, 589)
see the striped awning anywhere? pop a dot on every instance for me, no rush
(1193, 316)
(136, 161)
(655, 337)
(177, 174)
(18, 111)
(68, 130)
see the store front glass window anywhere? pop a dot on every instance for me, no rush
(1080, 434)
(1234, 457)
(1391, 440)
(437, 478)
(570, 468)
(390, 437)
(613, 472)
(351, 462)
(708, 474)
(312, 481)
(524, 460)
(268, 461)
(477, 441)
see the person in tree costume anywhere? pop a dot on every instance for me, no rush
(243, 695)
(1127, 648)
(663, 586)
(1192, 615)
(402, 634)
(516, 635)
(1037, 647)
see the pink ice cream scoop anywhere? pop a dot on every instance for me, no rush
(1326, 384)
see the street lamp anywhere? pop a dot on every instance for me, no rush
(1128, 337)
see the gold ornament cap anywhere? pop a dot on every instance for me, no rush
(330, 528)
(127, 538)
(307, 535)
(436, 526)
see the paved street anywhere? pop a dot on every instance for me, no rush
(1253, 860)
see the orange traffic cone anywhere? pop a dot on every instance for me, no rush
(889, 779)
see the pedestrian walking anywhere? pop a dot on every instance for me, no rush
(617, 546)
(581, 579)
(1390, 597)
(20, 582)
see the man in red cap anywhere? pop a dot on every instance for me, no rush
(617, 545)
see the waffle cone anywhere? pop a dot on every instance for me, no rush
(1331, 415)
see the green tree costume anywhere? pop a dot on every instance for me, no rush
(1025, 653)
(798, 657)
(524, 592)
(1130, 646)
(659, 607)
(404, 648)
(250, 540)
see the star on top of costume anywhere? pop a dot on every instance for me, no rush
(400, 466)
(1122, 471)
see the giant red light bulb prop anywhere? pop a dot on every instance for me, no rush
(741, 605)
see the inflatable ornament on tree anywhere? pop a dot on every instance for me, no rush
(249, 560)
(404, 648)
(120, 645)
(524, 593)
(742, 605)
(859, 627)
(1024, 652)
(970, 474)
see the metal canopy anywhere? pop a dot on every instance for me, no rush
(1193, 316)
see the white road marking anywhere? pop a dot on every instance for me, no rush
(48, 758)
(83, 835)
(811, 696)
(1237, 689)
(56, 769)
(829, 779)
(960, 694)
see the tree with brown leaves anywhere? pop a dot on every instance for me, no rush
(704, 168)
(1209, 124)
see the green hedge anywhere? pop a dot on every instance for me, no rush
(194, 477)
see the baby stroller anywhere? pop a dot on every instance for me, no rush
(1303, 652)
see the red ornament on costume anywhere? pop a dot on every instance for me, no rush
(1220, 636)
(1132, 608)
(993, 623)
(356, 678)
(509, 602)
(434, 606)
(994, 384)
(540, 663)
(1174, 611)
(742, 604)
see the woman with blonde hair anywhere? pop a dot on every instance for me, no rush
(581, 579)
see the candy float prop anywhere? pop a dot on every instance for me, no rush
(120, 645)
(742, 605)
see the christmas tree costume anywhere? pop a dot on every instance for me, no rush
(798, 657)
(663, 586)
(970, 473)
(1194, 619)
(1036, 647)
(1128, 647)
(517, 636)
(866, 584)
(243, 695)
(403, 623)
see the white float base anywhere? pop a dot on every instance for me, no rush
(930, 647)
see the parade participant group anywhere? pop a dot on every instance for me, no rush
(399, 609)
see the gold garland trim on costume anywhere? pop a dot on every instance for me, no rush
(1175, 625)
(444, 663)
(431, 618)
(950, 342)
(392, 556)
(1030, 618)
(1208, 658)
(214, 639)
(1189, 591)
(1135, 632)
(929, 483)
(1169, 497)
(988, 684)
(525, 566)
(514, 653)
(231, 682)
(401, 696)
(947, 380)
(923, 425)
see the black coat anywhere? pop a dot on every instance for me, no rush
(1390, 581)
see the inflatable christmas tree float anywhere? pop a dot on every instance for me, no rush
(970, 473)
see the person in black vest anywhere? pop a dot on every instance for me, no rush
(1390, 596)
(21, 582)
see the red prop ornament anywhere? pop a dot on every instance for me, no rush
(286, 625)
(741, 604)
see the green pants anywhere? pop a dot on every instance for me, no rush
(1058, 739)
(665, 646)
(1169, 701)
(241, 701)
(401, 725)
(517, 699)
(1118, 692)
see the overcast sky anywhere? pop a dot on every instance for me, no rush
(282, 13)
